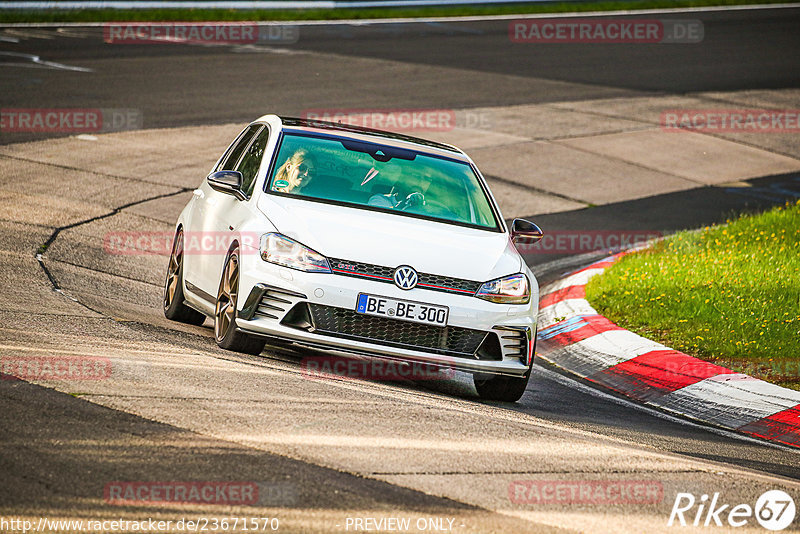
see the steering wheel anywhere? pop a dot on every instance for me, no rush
(413, 199)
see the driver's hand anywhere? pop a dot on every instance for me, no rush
(414, 199)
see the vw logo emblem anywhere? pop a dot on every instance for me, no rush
(405, 277)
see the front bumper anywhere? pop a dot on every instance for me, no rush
(318, 310)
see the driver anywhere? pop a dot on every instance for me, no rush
(416, 198)
(295, 174)
(417, 186)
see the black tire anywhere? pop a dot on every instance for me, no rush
(503, 388)
(500, 388)
(174, 307)
(225, 333)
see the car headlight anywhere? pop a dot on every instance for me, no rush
(279, 249)
(513, 289)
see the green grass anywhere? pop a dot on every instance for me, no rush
(728, 294)
(144, 15)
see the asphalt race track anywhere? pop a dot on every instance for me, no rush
(425, 65)
(182, 409)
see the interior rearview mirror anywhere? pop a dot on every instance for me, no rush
(229, 182)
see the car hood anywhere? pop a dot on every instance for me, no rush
(392, 240)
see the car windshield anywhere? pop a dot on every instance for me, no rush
(378, 177)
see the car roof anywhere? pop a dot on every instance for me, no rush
(376, 136)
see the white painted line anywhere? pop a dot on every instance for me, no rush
(242, 4)
(464, 18)
(36, 61)
(31, 33)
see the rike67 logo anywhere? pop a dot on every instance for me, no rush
(774, 510)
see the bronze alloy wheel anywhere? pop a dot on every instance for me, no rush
(175, 307)
(173, 270)
(225, 311)
(225, 332)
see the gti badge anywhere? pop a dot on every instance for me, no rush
(405, 277)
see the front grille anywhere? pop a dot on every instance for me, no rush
(445, 283)
(367, 270)
(448, 340)
(380, 273)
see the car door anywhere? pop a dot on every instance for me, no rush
(202, 261)
(245, 210)
(251, 161)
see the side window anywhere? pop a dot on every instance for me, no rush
(229, 161)
(252, 160)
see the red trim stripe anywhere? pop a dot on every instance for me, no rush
(448, 288)
(377, 276)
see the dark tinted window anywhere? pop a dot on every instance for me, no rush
(252, 160)
(385, 178)
(229, 162)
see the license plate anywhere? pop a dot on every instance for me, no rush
(406, 310)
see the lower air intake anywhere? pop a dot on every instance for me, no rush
(448, 340)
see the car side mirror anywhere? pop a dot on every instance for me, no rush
(228, 182)
(525, 232)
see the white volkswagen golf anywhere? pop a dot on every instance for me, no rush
(359, 241)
